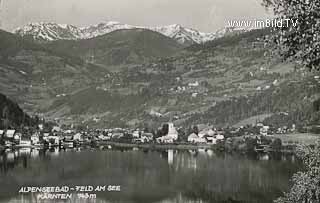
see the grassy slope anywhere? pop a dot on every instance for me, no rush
(227, 92)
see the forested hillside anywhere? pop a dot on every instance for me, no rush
(12, 115)
(292, 102)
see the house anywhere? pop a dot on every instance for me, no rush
(17, 136)
(103, 137)
(1, 133)
(193, 84)
(193, 138)
(46, 136)
(259, 125)
(165, 139)
(220, 137)
(264, 130)
(78, 137)
(35, 139)
(147, 137)
(117, 135)
(69, 131)
(40, 126)
(56, 129)
(215, 139)
(206, 132)
(211, 140)
(136, 134)
(10, 134)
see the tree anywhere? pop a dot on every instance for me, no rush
(276, 144)
(306, 188)
(195, 130)
(5, 117)
(299, 38)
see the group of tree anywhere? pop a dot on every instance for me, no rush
(300, 42)
(12, 116)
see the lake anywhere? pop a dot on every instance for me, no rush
(146, 176)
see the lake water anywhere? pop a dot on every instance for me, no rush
(169, 176)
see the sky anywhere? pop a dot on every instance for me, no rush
(204, 15)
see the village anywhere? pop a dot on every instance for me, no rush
(244, 138)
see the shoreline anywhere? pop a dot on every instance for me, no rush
(152, 146)
(157, 146)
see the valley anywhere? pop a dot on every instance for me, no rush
(137, 77)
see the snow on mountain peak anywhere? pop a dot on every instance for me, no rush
(47, 31)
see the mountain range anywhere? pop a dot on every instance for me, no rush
(132, 46)
(137, 77)
(52, 31)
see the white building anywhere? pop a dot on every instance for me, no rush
(46, 136)
(193, 84)
(136, 134)
(147, 137)
(193, 138)
(206, 132)
(78, 137)
(56, 129)
(171, 136)
(35, 139)
(17, 136)
(264, 130)
(10, 134)
(220, 137)
(214, 139)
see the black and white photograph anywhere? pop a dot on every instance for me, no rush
(159, 101)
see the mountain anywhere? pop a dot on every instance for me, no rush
(53, 31)
(49, 31)
(184, 35)
(120, 47)
(220, 82)
(35, 76)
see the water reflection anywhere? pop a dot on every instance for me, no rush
(166, 176)
(170, 156)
